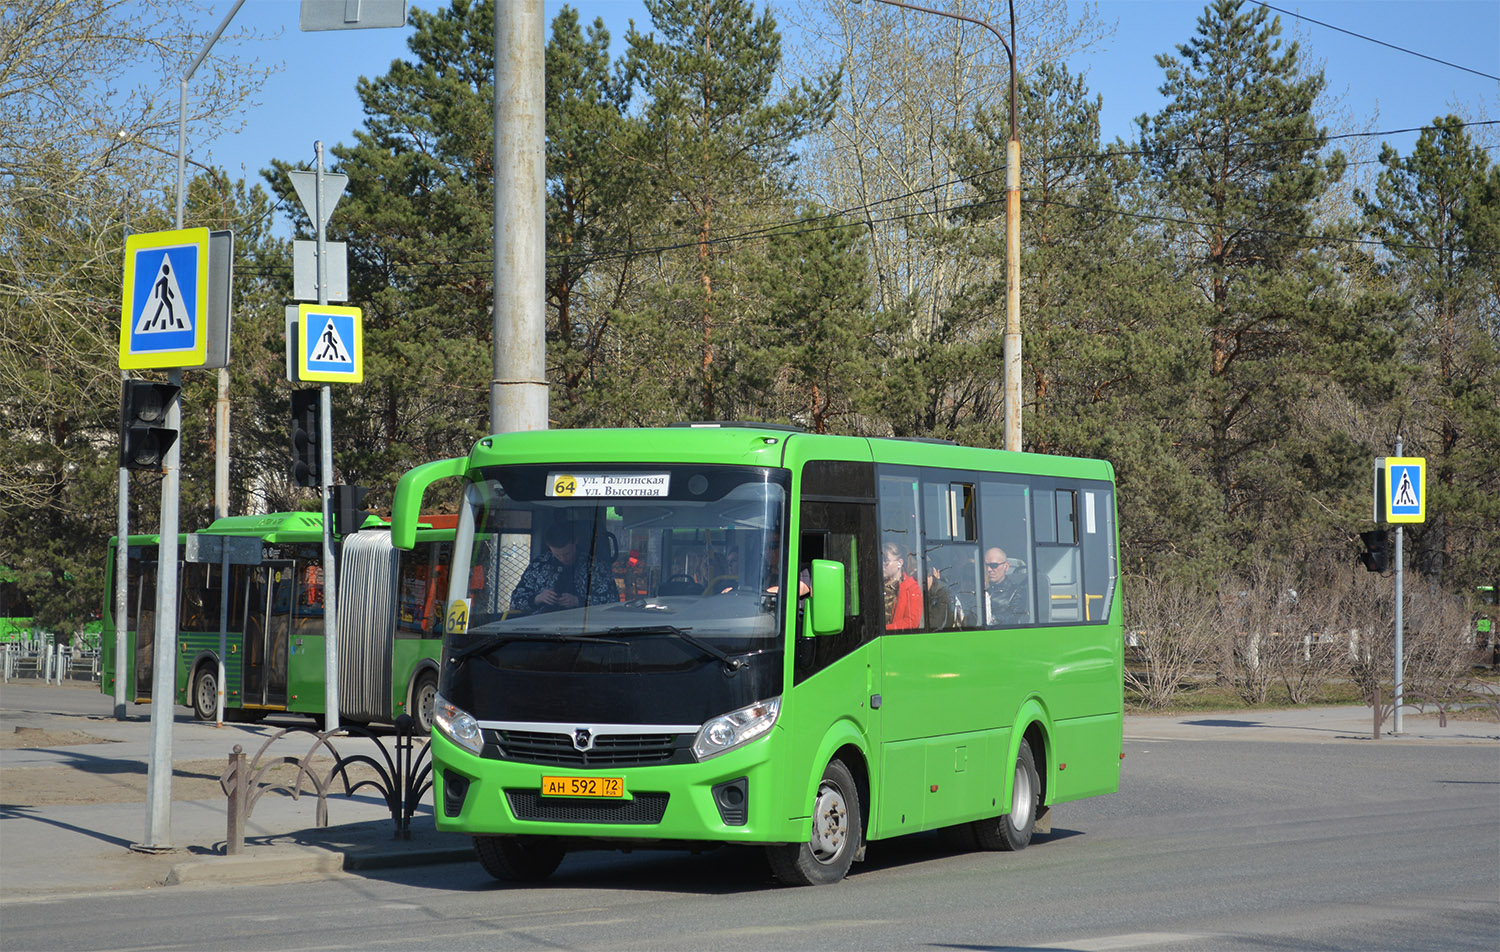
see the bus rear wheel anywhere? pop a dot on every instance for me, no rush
(424, 701)
(206, 693)
(837, 832)
(518, 859)
(1013, 831)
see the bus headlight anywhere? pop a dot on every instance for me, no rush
(728, 731)
(456, 724)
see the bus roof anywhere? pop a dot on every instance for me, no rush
(757, 445)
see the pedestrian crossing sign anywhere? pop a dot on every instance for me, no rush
(1406, 489)
(330, 344)
(163, 310)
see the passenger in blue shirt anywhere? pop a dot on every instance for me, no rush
(558, 580)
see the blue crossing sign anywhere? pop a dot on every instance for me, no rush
(330, 344)
(1406, 489)
(163, 310)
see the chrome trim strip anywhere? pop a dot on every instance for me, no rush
(540, 727)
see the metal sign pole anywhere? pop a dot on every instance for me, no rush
(1399, 696)
(164, 646)
(330, 580)
(122, 588)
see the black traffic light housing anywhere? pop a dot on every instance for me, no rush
(307, 446)
(144, 435)
(348, 509)
(1376, 556)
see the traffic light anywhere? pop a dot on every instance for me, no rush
(1375, 558)
(144, 435)
(348, 509)
(307, 447)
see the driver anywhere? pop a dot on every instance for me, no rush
(558, 580)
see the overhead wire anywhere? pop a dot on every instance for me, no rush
(1372, 39)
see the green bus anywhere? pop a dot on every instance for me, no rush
(952, 656)
(390, 622)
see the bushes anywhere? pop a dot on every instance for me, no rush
(1294, 636)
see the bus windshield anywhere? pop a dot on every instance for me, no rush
(619, 554)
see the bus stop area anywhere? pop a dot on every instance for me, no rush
(73, 794)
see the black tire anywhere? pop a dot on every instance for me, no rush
(518, 859)
(1012, 831)
(837, 834)
(206, 692)
(424, 701)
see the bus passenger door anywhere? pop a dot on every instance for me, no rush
(267, 623)
(142, 580)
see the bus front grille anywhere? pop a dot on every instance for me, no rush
(531, 805)
(608, 750)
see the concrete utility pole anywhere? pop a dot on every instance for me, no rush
(518, 392)
(1012, 338)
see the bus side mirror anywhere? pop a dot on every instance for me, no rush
(407, 508)
(825, 612)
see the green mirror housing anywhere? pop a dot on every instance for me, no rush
(406, 511)
(826, 609)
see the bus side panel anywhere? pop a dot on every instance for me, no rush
(1084, 679)
(1090, 746)
(901, 797)
(811, 716)
(305, 692)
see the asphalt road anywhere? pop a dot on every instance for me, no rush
(1210, 844)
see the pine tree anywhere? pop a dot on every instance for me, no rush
(1237, 164)
(717, 146)
(1437, 211)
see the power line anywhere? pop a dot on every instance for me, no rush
(1361, 36)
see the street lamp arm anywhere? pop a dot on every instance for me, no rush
(1010, 48)
(955, 16)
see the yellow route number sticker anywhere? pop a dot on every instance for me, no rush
(456, 622)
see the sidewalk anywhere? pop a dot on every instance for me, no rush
(60, 849)
(84, 843)
(1308, 725)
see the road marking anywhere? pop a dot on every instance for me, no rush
(1134, 940)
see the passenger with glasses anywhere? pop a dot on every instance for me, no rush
(1004, 591)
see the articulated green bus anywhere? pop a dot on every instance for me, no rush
(390, 622)
(745, 634)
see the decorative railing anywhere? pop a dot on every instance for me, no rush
(402, 777)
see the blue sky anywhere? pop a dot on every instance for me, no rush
(313, 97)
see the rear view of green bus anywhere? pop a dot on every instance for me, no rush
(743, 634)
(390, 622)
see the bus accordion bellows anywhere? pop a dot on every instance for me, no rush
(390, 621)
(748, 635)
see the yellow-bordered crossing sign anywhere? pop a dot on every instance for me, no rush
(1406, 489)
(330, 344)
(163, 310)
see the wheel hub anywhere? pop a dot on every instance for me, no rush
(830, 830)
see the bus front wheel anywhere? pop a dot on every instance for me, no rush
(206, 693)
(1013, 830)
(837, 831)
(518, 859)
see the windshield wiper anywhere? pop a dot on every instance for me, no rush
(499, 641)
(733, 664)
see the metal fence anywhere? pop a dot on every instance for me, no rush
(44, 660)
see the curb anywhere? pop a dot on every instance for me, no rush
(300, 863)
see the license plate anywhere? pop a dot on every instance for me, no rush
(583, 786)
